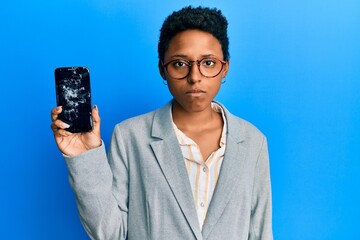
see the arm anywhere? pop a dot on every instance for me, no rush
(261, 212)
(102, 207)
(102, 215)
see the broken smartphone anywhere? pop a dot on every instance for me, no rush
(74, 95)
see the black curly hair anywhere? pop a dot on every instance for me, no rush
(201, 18)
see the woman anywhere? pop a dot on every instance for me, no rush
(189, 170)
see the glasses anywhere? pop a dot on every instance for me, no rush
(180, 68)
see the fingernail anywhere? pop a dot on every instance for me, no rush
(65, 125)
(95, 106)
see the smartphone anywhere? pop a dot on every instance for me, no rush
(74, 95)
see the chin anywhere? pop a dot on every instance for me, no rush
(194, 106)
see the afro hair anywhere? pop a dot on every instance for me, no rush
(200, 18)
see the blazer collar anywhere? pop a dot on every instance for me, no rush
(169, 156)
(230, 173)
(234, 131)
(162, 122)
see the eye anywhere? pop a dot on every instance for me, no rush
(179, 64)
(208, 62)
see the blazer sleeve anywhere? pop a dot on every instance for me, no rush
(261, 210)
(100, 186)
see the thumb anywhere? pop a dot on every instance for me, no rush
(96, 120)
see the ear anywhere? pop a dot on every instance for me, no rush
(161, 70)
(226, 69)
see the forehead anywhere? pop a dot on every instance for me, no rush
(194, 44)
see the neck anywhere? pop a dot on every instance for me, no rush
(193, 120)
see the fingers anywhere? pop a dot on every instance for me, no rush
(61, 133)
(55, 112)
(57, 124)
(58, 127)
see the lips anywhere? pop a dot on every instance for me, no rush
(194, 93)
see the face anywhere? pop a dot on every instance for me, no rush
(195, 92)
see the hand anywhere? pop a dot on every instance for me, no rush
(72, 144)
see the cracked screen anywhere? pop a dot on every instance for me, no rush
(73, 94)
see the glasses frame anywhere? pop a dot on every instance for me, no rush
(190, 64)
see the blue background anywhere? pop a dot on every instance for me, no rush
(295, 74)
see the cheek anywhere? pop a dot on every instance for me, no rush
(215, 83)
(174, 88)
(216, 87)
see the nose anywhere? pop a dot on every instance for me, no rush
(194, 74)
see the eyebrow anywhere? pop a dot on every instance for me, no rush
(185, 56)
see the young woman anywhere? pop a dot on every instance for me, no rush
(189, 170)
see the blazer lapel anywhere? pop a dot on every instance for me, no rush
(231, 169)
(168, 154)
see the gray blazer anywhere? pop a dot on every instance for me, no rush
(141, 189)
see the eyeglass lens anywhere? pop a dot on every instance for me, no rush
(179, 69)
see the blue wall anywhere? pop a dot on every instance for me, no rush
(295, 73)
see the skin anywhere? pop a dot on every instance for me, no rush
(72, 144)
(192, 112)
